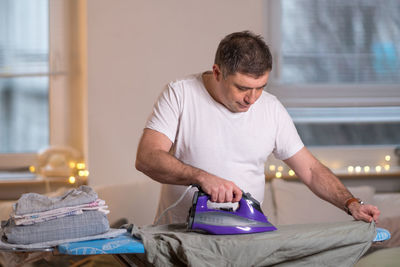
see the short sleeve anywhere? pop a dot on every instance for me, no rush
(166, 113)
(287, 140)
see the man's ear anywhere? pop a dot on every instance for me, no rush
(217, 72)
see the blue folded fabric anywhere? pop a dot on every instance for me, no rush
(381, 235)
(118, 245)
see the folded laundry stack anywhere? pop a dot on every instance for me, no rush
(37, 218)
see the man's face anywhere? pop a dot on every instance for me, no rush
(239, 91)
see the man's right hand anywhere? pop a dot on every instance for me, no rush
(219, 189)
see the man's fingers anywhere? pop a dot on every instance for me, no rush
(376, 216)
(228, 196)
(237, 195)
(374, 212)
(363, 216)
(221, 196)
(214, 196)
(221, 190)
(367, 213)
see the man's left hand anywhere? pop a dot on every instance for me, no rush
(366, 213)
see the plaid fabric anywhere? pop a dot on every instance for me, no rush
(87, 224)
(5, 246)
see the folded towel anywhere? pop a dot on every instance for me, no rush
(33, 202)
(37, 217)
(86, 224)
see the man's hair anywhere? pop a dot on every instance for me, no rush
(243, 52)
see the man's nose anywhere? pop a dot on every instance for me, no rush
(251, 97)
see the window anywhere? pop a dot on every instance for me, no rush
(337, 66)
(42, 79)
(350, 42)
(24, 76)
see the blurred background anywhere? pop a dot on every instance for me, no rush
(78, 80)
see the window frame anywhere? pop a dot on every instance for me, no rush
(67, 78)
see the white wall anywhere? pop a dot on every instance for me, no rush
(136, 47)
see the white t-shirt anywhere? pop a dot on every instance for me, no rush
(206, 135)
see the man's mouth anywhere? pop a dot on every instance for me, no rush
(243, 106)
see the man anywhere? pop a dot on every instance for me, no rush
(216, 129)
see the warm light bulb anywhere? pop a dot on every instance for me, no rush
(278, 174)
(72, 164)
(366, 169)
(80, 166)
(32, 169)
(386, 167)
(378, 168)
(350, 169)
(71, 180)
(291, 173)
(358, 169)
(272, 168)
(387, 158)
(280, 168)
(83, 173)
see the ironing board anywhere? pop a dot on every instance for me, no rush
(127, 244)
(123, 245)
(118, 246)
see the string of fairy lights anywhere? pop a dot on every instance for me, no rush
(279, 171)
(77, 171)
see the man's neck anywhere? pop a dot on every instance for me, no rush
(210, 84)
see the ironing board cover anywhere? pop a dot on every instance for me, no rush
(117, 245)
(381, 235)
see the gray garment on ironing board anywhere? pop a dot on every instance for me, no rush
(33, 202)
(86, 224)
(324, 244)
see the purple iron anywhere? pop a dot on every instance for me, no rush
(247, 218)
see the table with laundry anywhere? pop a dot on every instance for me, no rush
(75, 223)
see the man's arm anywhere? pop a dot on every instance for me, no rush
(327, 186)
(154, 160)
